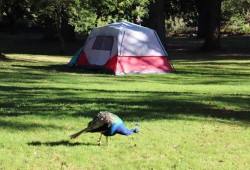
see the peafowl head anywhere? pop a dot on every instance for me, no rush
(136, 130)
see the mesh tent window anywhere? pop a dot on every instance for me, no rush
(103, 43)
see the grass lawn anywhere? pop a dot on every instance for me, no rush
(195, 118)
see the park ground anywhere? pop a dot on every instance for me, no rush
(195, 118)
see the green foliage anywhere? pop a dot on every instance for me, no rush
(236, 16)
(184, 10)
(177, 26)
(18, 10)
(232, 8)
(46, 9)
(84, 15)
(111, 11)
(237, 24)
(181, 16)
(81, 15)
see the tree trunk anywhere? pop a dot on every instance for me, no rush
(212, 38)
(62, 44)
(12, 15)
(202, 18)
(13, 24)
(50, 30)
(157, 19)
(67, 31)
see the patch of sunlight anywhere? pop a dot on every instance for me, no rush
(39, 58)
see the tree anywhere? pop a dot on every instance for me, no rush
(161, 10)
(202, 18)
(108, 11)
(14, 10)
(213, 18)
(236, 16)
(49, 14)
(61, 18)
(157, 19)
(235, 8)
(209, 18)
(81, 15)
(183, 9)
(67, 30)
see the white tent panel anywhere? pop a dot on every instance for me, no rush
(98, 51)
(104, 30)
(137, 43)
(133, 40)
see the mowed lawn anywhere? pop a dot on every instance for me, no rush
(195, 118)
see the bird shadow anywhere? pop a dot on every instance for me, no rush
(60, 143)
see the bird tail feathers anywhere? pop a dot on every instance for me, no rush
(77, 134)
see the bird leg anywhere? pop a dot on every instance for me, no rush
(99, 142)
(107, 140)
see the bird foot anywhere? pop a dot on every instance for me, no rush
(99, 143)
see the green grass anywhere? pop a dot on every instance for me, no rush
(196, 118)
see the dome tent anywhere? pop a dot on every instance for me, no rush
(123, 48)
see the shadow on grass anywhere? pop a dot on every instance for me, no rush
(134, 105)
(66, 69)
(129, 105)
(59, 143)
(17, 125)
(97, 70)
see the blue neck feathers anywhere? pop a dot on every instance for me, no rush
(121, 129)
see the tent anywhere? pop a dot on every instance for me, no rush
(123, 48)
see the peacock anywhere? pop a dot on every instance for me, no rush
(108, 124)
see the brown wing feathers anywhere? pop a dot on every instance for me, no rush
(103, 119)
